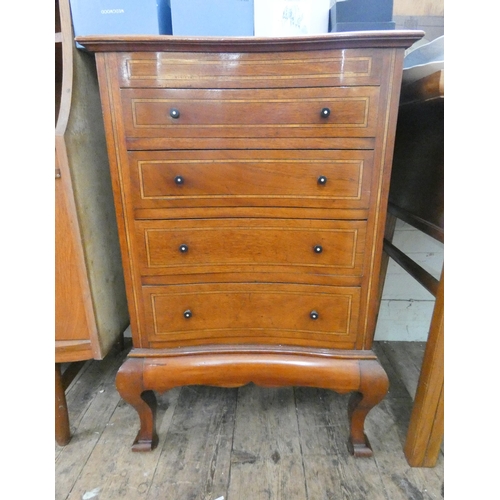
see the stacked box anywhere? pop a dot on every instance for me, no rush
(361, 15)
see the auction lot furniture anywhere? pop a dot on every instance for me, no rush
(91, 308)
(251, 178)
(416, 196)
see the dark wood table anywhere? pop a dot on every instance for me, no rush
(416, 197)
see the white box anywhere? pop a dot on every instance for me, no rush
(291, 17)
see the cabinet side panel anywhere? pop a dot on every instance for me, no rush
(105, 69)
(389, 99)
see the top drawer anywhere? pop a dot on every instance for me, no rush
(251, 70)
(251, 113)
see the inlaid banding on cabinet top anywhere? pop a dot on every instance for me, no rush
(155, 186)
(166, 67)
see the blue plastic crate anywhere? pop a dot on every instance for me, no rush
(212, 17)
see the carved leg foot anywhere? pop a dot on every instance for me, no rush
(373, 387)
(130, 385)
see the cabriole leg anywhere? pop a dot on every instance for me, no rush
(373, 387)
(130, 385)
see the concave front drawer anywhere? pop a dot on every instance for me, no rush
(251, 113)
(269, 313)
(239, 245)
(312, 178)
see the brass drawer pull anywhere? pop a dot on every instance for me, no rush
(314, 315)
(325, 112)
(318, 249)
(175, 113)
(183, 248)
(179, 180)
(322, 180)
(188, 314)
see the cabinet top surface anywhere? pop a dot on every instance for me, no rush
(170, 43)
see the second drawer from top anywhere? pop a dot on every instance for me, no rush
(293, 178)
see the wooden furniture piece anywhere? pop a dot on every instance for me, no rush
(251, 179)
(416, 197)
(91, 309)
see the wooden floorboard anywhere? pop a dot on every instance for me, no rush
(249, 443)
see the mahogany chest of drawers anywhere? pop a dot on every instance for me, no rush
(250, 180)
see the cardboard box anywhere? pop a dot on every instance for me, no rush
(291, 17)
(361, 15)
(121, 17)
(212, 17)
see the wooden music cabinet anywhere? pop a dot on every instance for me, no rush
(250, 178)
(90, 302)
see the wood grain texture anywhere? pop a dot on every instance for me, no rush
(330, 41)
(111, 468)
(425, 89)
(75, 318)
(195, 458)
(225, 442)
(230, 288)
(242, 178)
(269, 70)
(418, 200)
(91, 312)
(223, 113)
(225, 314)
(63, 434)
(231, 366)
(426, 429)
(330, 471)
(208, 246)
(90, 294)
(90, 407)
(266, 457)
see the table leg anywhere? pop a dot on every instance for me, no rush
(426, 428)
(63, 434)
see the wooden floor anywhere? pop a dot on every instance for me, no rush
(242, 444)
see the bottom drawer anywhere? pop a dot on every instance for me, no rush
(251, 313)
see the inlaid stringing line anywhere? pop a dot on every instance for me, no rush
(141, 165)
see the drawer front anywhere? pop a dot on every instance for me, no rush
(251, 70)
(317, 178)
(296, 314)
(239, 245)
(254, 113)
